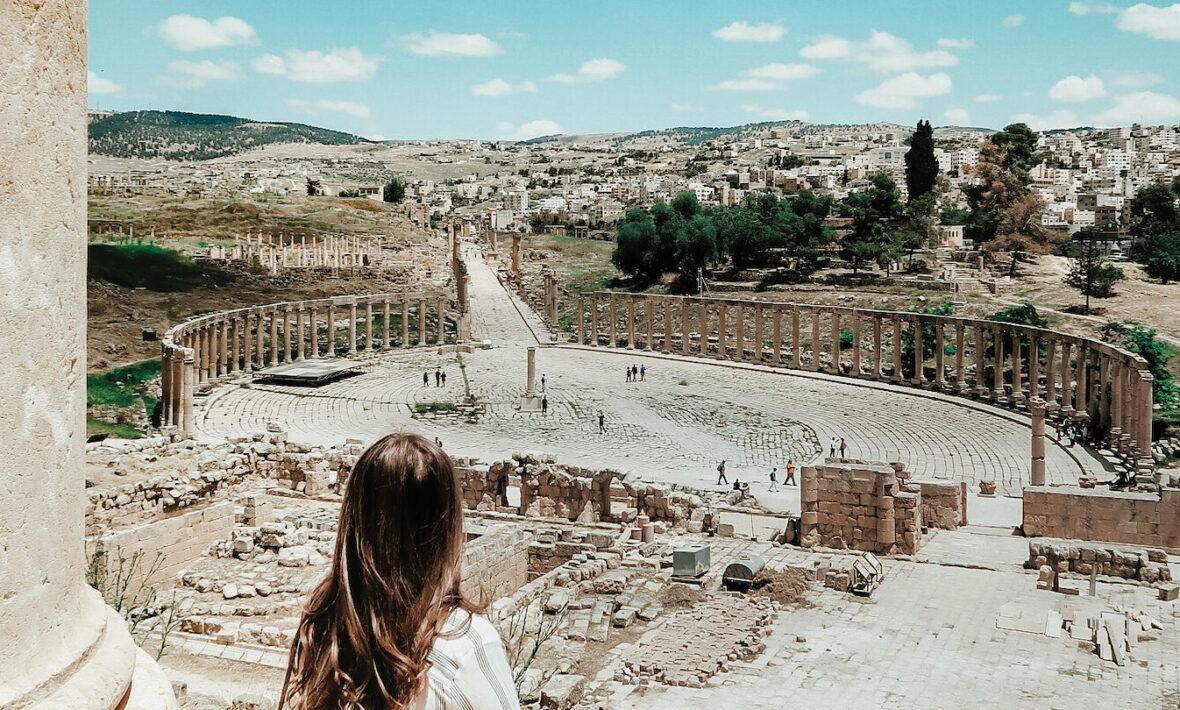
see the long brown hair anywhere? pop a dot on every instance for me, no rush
(368, 626)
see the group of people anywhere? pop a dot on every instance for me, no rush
(838, 444)
(440, 378)
(739, 486)
(1074, 431)
(636, 373)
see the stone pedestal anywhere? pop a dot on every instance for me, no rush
(63, 648)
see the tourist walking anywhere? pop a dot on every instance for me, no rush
(444, 378)
(634, 373)
(721, 473)
(425, 379)
(773, 480)
(843, 446)
(628, 373)
(790, 481)
(601, 422)
(643, 373)
(437, 378)
(544, 405)
(542, 381)
(832, 448)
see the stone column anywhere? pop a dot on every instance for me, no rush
(274, 337)
(647, 306)
(167, 388)
(1066, 385)
(63, 648)
(247, 341)
(223, 349)
(960, 373)
(669, 306)
(300, 331)
(516, 255)
(1050, 395)
(352, 328)
(235, 335)
(1034, 367)
(286, 334)
(1117, 410)
(897, 328)
(1017, 368)
(315, 333)
(630, 322)
(877, 357)
(370, 341)
(405, 323)
(998, 365)
(809, 501)
(386, 315)
(259, 340)
(739, 331)
(722, 332)
(1080, 377)
(778, 335)
(1037, 407)
(686, 326)
(758, 341)
(939, 354)
(421, 321)
(980, 362)
(581, 317)
(1104, 392)
(816, 346)
(594, 306)
(330, 335)
(919, 354)
(441, 323)
(856, 319)
(614, 321)
(532, 371)
(835, 334)
(796, 344)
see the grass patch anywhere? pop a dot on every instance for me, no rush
(149, 266)
(434, 407)
(97, 427)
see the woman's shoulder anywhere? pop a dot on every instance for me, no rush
(466, 628)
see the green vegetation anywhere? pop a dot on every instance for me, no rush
(875, 213)
(434, 407)
(929, 338)
(122, 387)
(149, 266)
(98, 427)
(1089, 271)
(921, 167)
(394, 190)
(1155, 223)
(1138, 339)
(174, 135)
(1024, 314)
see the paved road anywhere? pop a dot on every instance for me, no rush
(674, 427)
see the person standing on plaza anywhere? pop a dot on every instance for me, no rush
(601, 422)
(790, 481)
(643, 373)
(425, 379)
(773, 480)
(832, 448)
(444, 378)
(544, 405)
(542, 381)
(843, 445)
(721, 473)
(628, 373)
(437, 377)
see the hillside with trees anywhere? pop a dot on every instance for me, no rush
(174, 135)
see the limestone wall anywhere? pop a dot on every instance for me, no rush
(1145, 565)
(1091, 514)
(164, 547)
(858, 506)
(942, 503)
(496, 563)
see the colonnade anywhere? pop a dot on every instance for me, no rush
(1079, 379)
(224, 344)
(283, 251)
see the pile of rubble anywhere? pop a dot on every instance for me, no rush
(1148, 565)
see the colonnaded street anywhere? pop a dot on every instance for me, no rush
(675, 426)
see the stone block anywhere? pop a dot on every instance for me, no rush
(562, 691)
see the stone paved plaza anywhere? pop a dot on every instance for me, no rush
(673, 427)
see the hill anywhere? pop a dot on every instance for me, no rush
(174, 135)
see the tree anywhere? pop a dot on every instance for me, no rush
(635, 244)
(313, 187)
(874, 214)
(921, 167)
(1162, 257)
(1019, 143)
(1154, 212)
(1024, 314)
(1138, 339)
(394, 190)
(1090, 272)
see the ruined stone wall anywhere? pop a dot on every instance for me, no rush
(496, 563)
(941, 503)
(164, 547)
(1109, 516)
(1145, 565)
(859, 506)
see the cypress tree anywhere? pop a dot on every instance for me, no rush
(921, 167)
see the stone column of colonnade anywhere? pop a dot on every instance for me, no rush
(63, 647)
(1005, 364)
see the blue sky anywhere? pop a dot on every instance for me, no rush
(520, 68)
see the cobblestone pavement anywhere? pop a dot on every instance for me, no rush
(927, 638)
(674, 427)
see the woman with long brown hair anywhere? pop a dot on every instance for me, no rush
(388, 627)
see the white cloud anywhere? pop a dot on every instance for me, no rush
(881, 52)
(1062, 118)
(1155, 22)
(958, 116)
(186, 74)
(903, 91)
(1073, 89)
(988, 98)
(769, 77)
(527, 131)
(188, 33)
(776, 114)
(951, 43)
(1140, 107)
(592, 70)
(446, 44)
(1082, 8)
(1014, 20)
(1133, 80)
(377, 137)
(499, 87)
(683, 108)
(742, 31)
(314, 108)
(350, 64)
(95, 84)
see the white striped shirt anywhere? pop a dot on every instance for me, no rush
(468, 672)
